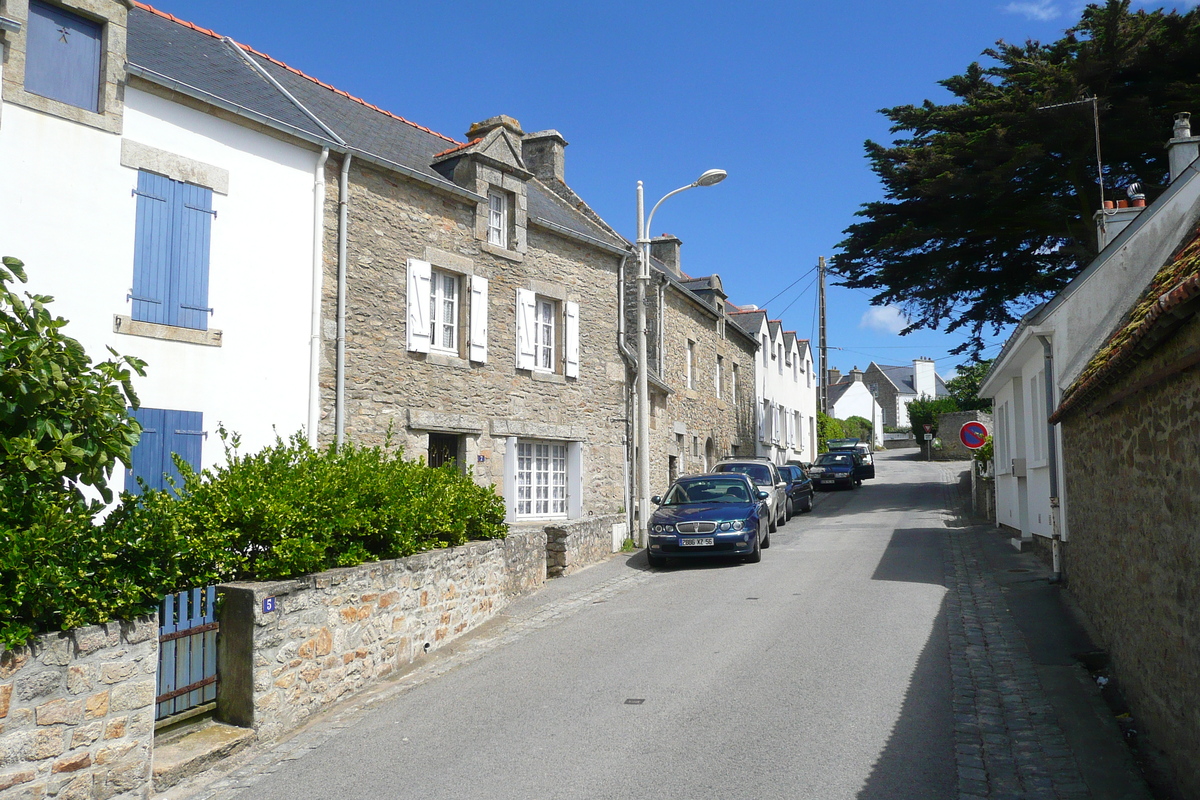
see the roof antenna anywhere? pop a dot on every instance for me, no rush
(1096, 126)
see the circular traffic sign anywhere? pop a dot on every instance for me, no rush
(973, 435)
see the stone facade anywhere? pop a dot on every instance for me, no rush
(1133, 558)
(334, 633)
(481, 408)
(690, 426)
(77, 713)
(575, 544)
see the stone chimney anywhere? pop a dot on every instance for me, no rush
(924, 377)
(482, 129)
(666, 249)
(834, 375)
(1183, 149)
(856, 374)
(544, 154)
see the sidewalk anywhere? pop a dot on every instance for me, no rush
(1029, 720)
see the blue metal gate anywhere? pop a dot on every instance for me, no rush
(187, 651)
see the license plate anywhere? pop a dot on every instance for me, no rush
(705, 541)
(828, 481)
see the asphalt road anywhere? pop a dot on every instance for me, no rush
(820, 672)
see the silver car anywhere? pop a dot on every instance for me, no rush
(766, 476)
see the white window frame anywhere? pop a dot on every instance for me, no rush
(733, 383)
(497, 230)
(690, 365)
(542, 479)
(779, 358)
(719, 375)
(545, 333)
(444, 311)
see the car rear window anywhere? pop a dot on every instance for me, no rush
(759, 473)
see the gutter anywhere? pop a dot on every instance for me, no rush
(1052, 459)
(318, 274)
(343, 236)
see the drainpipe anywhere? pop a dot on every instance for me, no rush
(343, 235)
(318, 270)
(630, 361)
(1052, 459)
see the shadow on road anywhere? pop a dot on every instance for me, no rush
(918, 762)
(913, 555)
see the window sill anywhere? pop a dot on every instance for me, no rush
(171, 333)
(502, 252)
(547, 377)
(445, 360)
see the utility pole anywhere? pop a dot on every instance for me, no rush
(823, 400)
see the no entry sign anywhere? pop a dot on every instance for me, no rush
(973, 435)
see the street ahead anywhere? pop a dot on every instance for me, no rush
(822, 672)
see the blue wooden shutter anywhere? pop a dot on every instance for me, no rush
(62, 59)
(147, 453)
(189, 279)
(152, 250)
(184, 435)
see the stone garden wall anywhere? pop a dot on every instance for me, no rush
(948, 427)
(290, 648)
(573, 544)
(77, 713)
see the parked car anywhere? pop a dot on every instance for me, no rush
(709, 515)
(837, 468)
(766, 475)
(799, 489)
(866, 467)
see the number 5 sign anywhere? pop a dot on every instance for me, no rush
(973, 435)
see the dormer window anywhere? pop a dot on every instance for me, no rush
(497, 231)
(63, 59)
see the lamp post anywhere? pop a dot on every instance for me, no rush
(709, 178)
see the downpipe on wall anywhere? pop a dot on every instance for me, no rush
(630, 363)
(343, 235)
(318, 266)
(1052, 462)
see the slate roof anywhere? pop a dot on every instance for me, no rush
(902, 377)
(835, 391)
(749, 321)
(182, 55)
(1171, 297)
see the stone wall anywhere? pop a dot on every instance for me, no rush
(77, 713)
(336, 632)
(575, 544)
(1133, 558)
(949, 425)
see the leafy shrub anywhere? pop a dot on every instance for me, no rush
(828, 428)
(925, 411)
(290, 509)
(858, 428)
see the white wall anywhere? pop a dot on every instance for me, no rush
(857, 401)
(68, 212)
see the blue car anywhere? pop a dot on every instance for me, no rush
(720, 514)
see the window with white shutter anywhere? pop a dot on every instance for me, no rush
(497, 231)
(443, 312)
(420, 280)
(478, 349)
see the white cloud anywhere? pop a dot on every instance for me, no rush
(886, 319)
(1041, 10)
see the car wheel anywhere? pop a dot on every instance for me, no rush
(773, 525)
(766, 542)
(808, 503)
(791, 508)
(656, 561)
(756, 555)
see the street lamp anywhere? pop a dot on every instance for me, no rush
(709, 178)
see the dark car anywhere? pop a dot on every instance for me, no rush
(834, 469)
(866, 462)
(709, 515)
(799, 490)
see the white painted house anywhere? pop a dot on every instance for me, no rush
(785, 389)
(851, 397)
(1055, 341)
(180, 236)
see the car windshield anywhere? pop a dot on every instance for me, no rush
(826, 459)
(759, 473)
(709, 490)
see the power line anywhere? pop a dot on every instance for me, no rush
(790, 285)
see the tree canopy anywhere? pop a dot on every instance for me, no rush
(964, 387)
(988, 200)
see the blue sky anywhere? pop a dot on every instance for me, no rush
(779, 94)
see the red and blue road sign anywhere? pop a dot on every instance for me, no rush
(973, 435)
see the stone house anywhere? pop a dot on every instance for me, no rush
(897, 386)
(785, 389)
(1097, 412)
(160, 219)
(701, 369)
